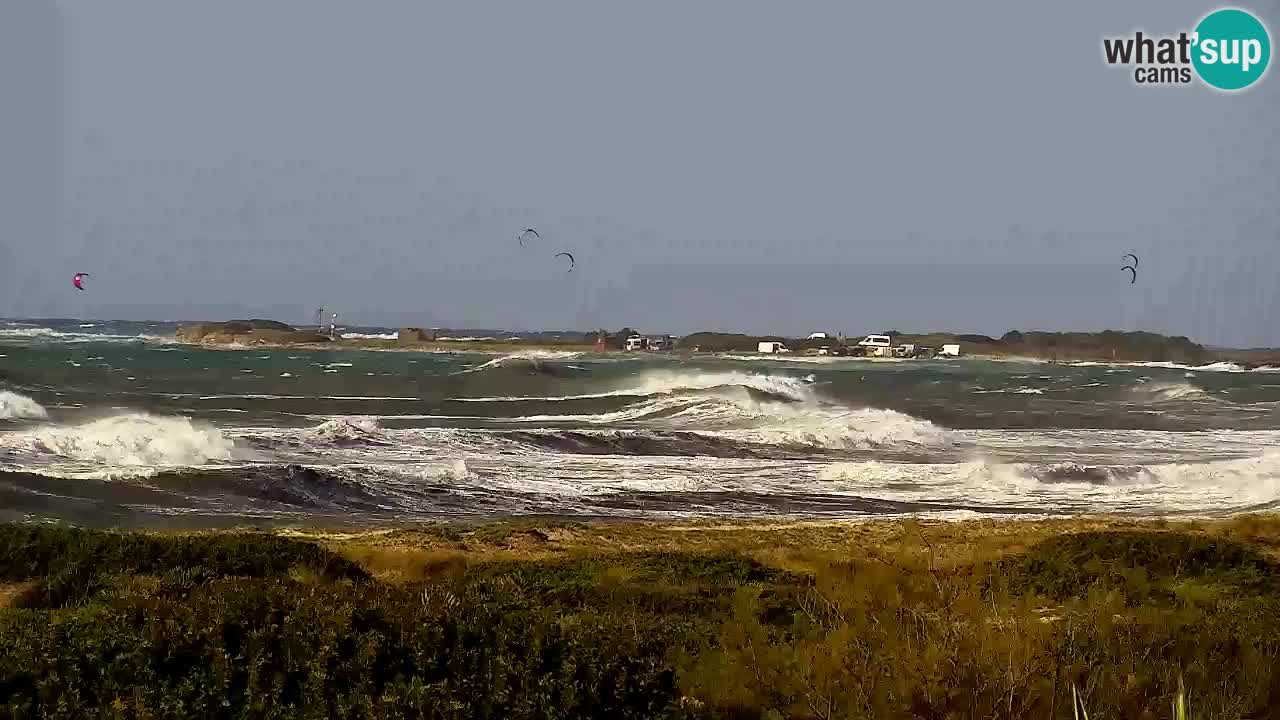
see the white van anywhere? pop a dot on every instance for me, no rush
(876, 345)
(771, 347)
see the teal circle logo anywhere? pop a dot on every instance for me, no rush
(1231, 49)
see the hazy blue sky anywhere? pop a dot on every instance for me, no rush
(760, 166)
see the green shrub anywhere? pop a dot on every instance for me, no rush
(1150, 564)
(72, 563)
(222, 626)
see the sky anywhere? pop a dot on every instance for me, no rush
(727, 165)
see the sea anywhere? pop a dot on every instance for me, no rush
(116, 424)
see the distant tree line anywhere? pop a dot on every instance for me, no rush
(1139, 346)
(1133, 346)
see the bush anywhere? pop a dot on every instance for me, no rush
(71, 563)
(1072, 565)
(226, 626)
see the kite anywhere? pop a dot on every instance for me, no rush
(572, 262)
(78, 280)
(527, 231)
(1132, 270)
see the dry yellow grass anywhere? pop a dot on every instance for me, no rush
(802, 546)
(8, 591)
(888, 618)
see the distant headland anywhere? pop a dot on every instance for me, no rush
(1108, 345)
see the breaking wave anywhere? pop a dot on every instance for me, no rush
(1234, 485)
(1227, 367)
(759, 409)
(524, 357)
(127, 440)
(38, 334)
(670, 383)
(345, 430)
(20, 407)
(1171, 391)
(1014, 391)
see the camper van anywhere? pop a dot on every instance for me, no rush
(952, 350)
(876, 345)
(772, 347)
(658, 343)
(634, 343)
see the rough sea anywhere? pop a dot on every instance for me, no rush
(112, 423)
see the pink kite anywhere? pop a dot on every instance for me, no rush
(78, 280)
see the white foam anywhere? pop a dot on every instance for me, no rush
(128, 440)
(670, 382)
(812, 425)
(524, 356)
(1216, 486)
(47, 334)
(369, 336)
(734, 414)
(1228, 367)
(1015, 391)
(1169, 391)
(32, 332)
(20, 407)
(347, 428)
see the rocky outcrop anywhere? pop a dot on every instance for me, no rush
(412, 335)
(246, 332)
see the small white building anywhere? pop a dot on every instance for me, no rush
(951, 350)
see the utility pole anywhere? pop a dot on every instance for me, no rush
(319, 316)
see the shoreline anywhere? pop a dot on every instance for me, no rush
(502, 348)
(568, 533)
(1106, 347)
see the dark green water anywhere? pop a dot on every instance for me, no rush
(114, 424)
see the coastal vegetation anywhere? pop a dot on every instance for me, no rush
(1105, 345)
(534, 620)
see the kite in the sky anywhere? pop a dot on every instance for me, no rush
(527, 231)
(1134, 273)
(78, 280)
(572, 262)
(1135, 259)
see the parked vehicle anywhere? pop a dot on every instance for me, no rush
(876, 345)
